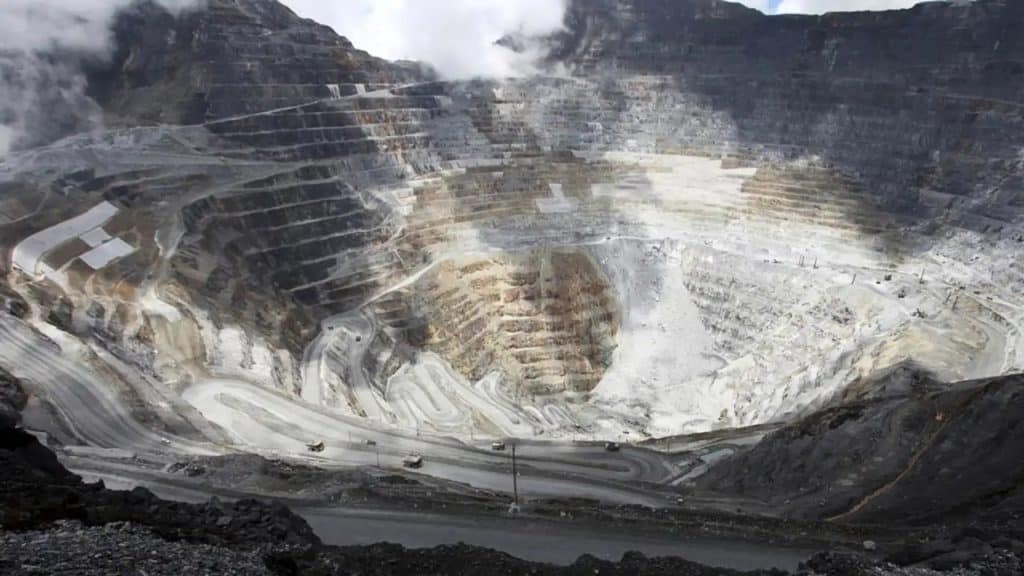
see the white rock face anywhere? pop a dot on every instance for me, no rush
(663, 341)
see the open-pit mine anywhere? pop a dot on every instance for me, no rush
(693, 219)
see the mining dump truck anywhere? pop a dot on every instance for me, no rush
(316, 446)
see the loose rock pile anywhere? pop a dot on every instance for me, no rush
(71, 547)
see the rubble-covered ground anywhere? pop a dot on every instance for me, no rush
(71, 548)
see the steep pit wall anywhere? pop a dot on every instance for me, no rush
(546, 319)
(790, 202)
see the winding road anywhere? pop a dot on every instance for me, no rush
(267, 422)
(91, 408)
(270, 423)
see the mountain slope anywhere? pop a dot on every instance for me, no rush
(225, 59)
(917, 456)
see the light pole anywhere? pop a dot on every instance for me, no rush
(514, 508)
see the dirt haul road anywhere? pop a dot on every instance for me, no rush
(268, 423)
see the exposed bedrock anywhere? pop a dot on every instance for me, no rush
(226, 59)
(923, 105)
(914, 450)
(546, 319)
(12, 400)
(710, 218)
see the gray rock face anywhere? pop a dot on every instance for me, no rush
(924, 105)
(12, 400)
(228, 58)
(912, 457)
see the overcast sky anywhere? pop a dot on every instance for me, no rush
(457, 36)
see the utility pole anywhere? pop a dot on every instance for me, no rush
(514, 508)
(378, 456)
(515, 477)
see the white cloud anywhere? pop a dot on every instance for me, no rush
(84, 25)
(40, 98)
(822, 6)
(455, 36)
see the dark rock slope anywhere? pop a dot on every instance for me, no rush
(232, 57)
(36, 489)
(52, 523)
(914, 453)
(12, 400)
(113, 531)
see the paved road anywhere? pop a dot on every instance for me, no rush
(528, 538)
(558, 544)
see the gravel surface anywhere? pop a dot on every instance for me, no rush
(995, 563)
(119, 548)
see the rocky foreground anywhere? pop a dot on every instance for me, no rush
(53, 523)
